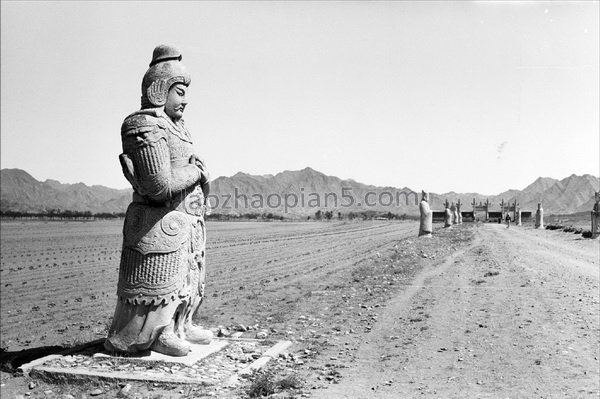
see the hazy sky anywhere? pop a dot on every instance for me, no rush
(445, 96)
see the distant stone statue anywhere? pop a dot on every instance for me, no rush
(596, 216)
(458, 213)
(161, 275)
(539, 217)
(519, 217)
(426, 220)
(454, 211)
(447, 215)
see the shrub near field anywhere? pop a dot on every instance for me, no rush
(59, 279)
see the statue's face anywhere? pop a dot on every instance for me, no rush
(176, 101)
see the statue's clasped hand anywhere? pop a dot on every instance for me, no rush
(195, 160)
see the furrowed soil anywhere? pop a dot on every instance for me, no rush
(373, 311)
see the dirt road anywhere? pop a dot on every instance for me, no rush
(513, 315)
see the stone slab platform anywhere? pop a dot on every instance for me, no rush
(223, 361)
(198, 353)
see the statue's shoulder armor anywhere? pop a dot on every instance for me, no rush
(142, 129)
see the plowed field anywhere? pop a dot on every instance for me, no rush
(58, 280)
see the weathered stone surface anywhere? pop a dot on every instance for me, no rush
(162, 269)
(198, 352)
(212, 368)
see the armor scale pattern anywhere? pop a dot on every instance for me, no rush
(152, 278)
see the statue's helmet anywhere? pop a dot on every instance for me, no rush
(165, 70)
(424, 195)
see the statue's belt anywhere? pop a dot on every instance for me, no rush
(152, 229)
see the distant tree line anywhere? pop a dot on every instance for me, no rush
(319, 215)
(58, 214)
(244, 216)
(365, 215)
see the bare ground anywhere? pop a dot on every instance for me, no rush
(515, 314)
(374, 312)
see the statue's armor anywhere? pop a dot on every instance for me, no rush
(164, 227)
(162, 262)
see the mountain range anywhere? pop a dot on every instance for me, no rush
(294, 194)
(19, 191)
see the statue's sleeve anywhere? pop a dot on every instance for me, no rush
(146, 149)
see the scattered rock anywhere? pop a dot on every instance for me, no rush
(125, 390)
(96, 392)
(262, 334)
(223, 332)
(249, 348)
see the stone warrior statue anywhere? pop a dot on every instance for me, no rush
(447, 215)
(539, 217)
(454, 211)
(596, 216)
(161, 275)
(426, 222)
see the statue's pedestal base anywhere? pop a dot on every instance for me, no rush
(198, 353)
(220, 362)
